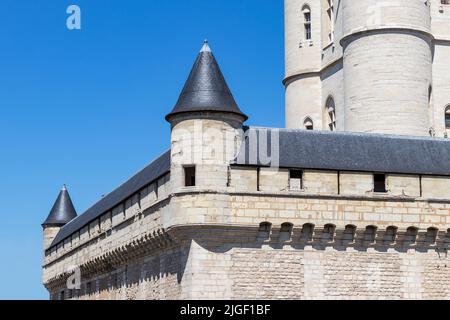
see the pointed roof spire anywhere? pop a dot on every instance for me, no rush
(63, 210)
(206, 88)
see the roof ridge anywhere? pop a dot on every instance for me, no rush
(154, 170)
(352, 133)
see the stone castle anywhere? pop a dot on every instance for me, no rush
(350, 201)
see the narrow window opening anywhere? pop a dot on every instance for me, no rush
(330, 16)
(328, 233)
(308, 123)
(264, 231)
(258, 179)
(307, 232)
(296, 180)
(349, 234)
(370, 234)
(339, 182)
(431, 237)
(390, 235)
(189, 176)
(330, 114)
(307, 22)
(420, 186)
(286, 231)
(411, 235)
(379, 183)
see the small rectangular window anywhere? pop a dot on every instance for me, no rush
(189, 176)
(296, 180)
(447, 119)
(379, 183)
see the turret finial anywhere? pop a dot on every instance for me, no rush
(205, 47)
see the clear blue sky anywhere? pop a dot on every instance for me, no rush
(87, 108)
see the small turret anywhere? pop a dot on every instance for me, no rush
(62, 212)
(206, 124)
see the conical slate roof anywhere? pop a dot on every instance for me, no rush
(206, 89)
(63, 210)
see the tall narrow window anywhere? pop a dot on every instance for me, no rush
(189, 176)
(330, 114)
(330, 20)
(307, 22)
(447, 118)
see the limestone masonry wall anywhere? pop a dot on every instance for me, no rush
(199, 243)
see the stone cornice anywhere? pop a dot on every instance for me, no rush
(239, 235)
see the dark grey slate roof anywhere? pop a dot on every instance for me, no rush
(153, 171)
(62, 211)
(348, 151)
(206, 89)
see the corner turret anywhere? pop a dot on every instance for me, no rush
(206, 125)
(62, 212)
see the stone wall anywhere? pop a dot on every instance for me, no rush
(238, 263)
(202, 243)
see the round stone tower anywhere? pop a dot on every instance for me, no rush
(387, 65)
(206, 127)
(303, 50)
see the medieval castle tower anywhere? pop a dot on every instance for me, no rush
(350, 201)
(368, 66)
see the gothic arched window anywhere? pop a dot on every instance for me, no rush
(308, 124)
(307, 22)
(330, 114)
